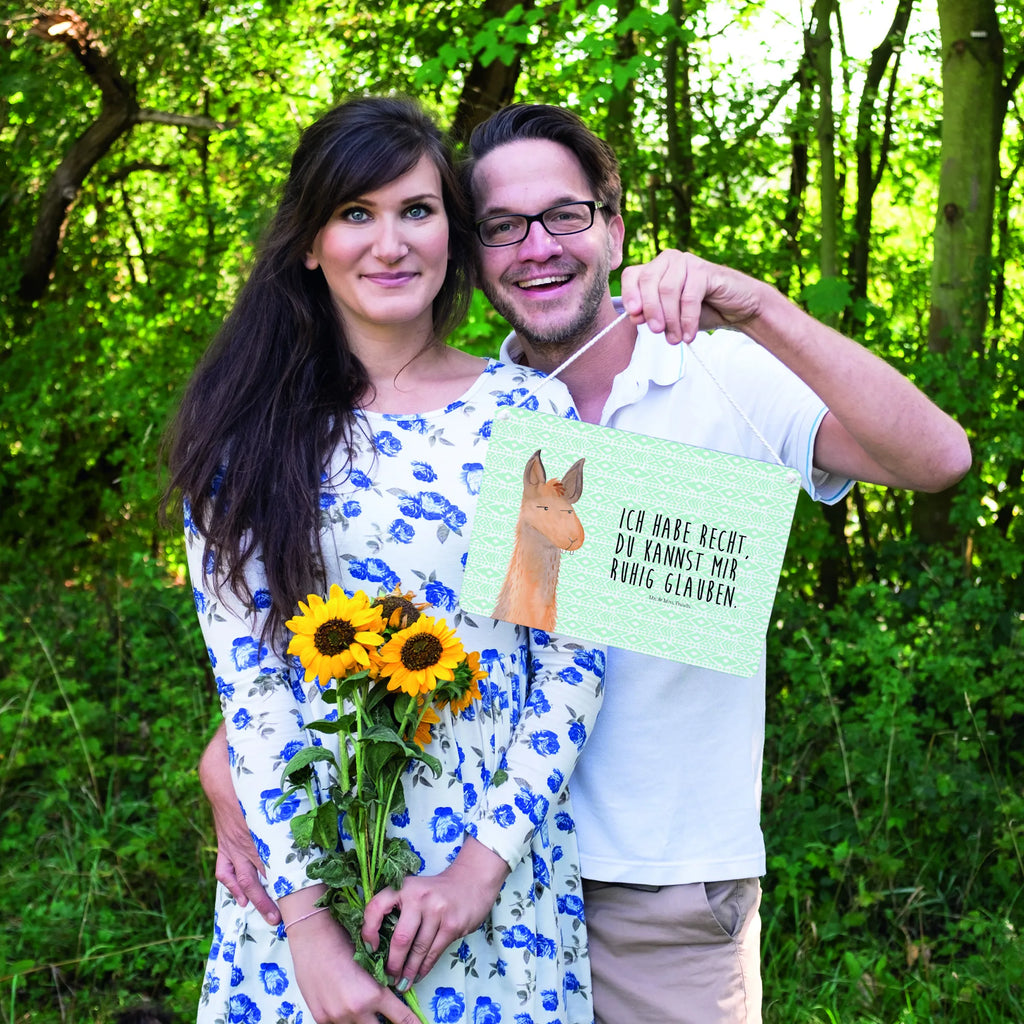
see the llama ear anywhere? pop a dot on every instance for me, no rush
(534, 474)
(572, 482)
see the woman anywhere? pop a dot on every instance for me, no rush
(331, 436)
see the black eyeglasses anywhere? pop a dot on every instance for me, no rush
(564, 219)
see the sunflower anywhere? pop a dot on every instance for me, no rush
(332, 636)
(472, 692)
(398, 609)
(423, 731)
(417, 657)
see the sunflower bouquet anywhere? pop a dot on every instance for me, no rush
(390, 669)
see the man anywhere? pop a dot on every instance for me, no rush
(667, 791)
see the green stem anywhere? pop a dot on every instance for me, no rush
(414, 1004)
(360, 834)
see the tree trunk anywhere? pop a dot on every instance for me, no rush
(973, 107)
(679, 132)
(486, 89)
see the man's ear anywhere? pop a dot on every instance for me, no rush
(616, 236)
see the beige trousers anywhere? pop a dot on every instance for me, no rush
(675, 954)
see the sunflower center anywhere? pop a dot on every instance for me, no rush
(421, 651)
(334, 636)
(391, 603)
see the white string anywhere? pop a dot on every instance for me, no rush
(692, 351)
(757, 433)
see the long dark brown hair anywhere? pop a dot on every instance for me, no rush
(276, 392)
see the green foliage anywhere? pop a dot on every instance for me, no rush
(105, 842)
(892, 809)
(892, 769)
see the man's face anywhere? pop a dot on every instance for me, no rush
(552, 289)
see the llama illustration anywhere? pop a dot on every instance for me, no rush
(547, 526)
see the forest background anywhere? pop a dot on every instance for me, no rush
(865, 157)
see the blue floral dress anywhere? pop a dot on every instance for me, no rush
(402, 516)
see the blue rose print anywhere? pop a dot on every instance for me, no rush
(564, 822)
(351, 509)
(415, 424)
(274, 979)
(242, 1010)
(289, 750)
(448, 1005)
(486, 1011)
(440, 596)
(472, 474)
(433, 505)
(504, 815)
(247, 652)
(578, 734)
(327, 500)
(374, 570)
(282, 887)
(387, 444)
(545, 742)
(455, 518)
(541, 874)
(359, 479)
(199, 599)
(401, 531)
(261, 848)
(241, 718)
(261, 600)
(274, 811)
(218, 937)
(534, 806)
(237, 977)
(589, 660)
(549, 999)
(424, 472)
(546, 948)
(555, 780)
(538, 701)
(571, 904)
(446, 825)
(572, 676)
(519, 937)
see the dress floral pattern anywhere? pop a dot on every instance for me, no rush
(401, 516)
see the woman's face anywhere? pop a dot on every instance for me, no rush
(384, 254)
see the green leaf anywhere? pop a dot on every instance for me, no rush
(828, 297)
(298, 769)
(338, 869)
(325, 827)
(302, 826)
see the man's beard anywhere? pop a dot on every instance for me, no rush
(565, 337)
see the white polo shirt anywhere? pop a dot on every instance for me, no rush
(668, 788)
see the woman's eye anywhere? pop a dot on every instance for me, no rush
(419, 211)
(354, 214)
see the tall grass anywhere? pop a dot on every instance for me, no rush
(893, 802)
